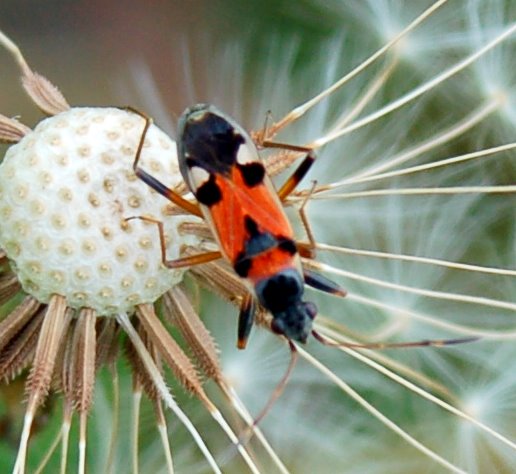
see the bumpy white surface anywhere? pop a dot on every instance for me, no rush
(65, 190)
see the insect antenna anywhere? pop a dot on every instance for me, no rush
(248, 433)
(394, 345)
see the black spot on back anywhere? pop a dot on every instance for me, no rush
(251, 226)
(259, 241)
(288, 245)
(209, 192)
(252, 173)
(242, 265)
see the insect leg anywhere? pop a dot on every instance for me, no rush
(307, 249)
(244, 439)
(196, 259)
(285, 146)
(246, 320)
(153, 182)
(295, 178)
(317, 281)
(395, 345)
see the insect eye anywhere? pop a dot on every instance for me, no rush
(311, 309)
(278, 326)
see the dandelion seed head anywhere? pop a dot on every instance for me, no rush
(67, 190)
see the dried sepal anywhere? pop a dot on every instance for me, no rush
(11, 130)
(107, 348)
(14, 322)
(19, 351)
(44, 94)
(199, 229)
(64, 369)
(280, 161)
(9, 286)
(178, 309)
(54, 325)
(85, 363)
(220, 279)
(137, 369)
(141, 377)
(174, 356)
(76, 365)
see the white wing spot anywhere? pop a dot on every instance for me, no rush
(247, 154)
(198, 176)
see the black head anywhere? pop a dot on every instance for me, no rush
(281, 294)
(207, 138)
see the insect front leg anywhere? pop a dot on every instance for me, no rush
(295, 178)
(246, 320)
(299, 173)
(319, 282)
(155, 184)
(181, 262)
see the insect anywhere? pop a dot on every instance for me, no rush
(222, 168)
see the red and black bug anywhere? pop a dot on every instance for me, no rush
(222, 168)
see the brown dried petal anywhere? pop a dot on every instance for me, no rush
(280, 161)
(107, 342)
(85, 359)
(19, 351)
(175, 358)
(54, 325)
(140, 374)
(65, 363)
(44, 94)
(15, 321)
(222, 280)
(198, 229)
(9, 286)
(12, 131)
(40, 89)
(181, 313)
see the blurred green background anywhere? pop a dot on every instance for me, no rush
(86, 47)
